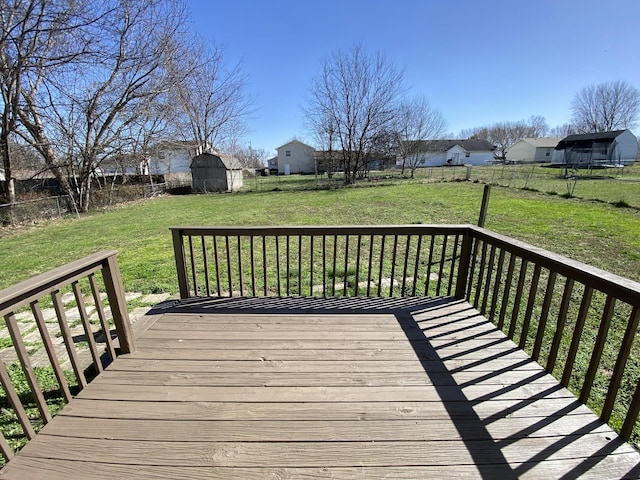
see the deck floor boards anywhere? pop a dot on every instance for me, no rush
(421, 388)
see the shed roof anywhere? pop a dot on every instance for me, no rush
(229, 161)
(543, 142)
(588, 138)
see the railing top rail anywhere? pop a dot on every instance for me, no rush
(24, 292)
(607, 282)
(323, 230)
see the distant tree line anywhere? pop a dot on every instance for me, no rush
(359, 109)
(85, 82)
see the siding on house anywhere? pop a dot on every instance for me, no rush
(295, 157)
(528, 150)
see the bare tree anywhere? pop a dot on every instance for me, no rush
(416, 122)
(563, 130)
(605, 107)
(76, 117)
(504, 134)
(34, 39)
(354, 98)
(212, 100)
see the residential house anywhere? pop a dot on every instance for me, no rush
(172, 159)
(295, 157)
(437, 153)
(215, 172)
(602, 149)
(532, 150)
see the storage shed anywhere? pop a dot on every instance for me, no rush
(214, 172)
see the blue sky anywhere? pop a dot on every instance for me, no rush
(479, 62)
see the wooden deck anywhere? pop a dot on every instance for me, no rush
(310, 388)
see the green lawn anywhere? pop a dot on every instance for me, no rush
(593, 232)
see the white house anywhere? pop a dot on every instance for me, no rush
(437, 153)
(618, 147)
(295, 157)
(173, 160)
(529, 150)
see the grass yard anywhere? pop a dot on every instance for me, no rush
(592, 232)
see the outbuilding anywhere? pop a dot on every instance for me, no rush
(602, 149)
(530, 150)
(214, 172)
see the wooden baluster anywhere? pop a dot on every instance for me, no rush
(621, 361)
(102, 317)
(596, 355)
(192, 261)
(51, 352)
(518, 300)
(481, 274)
(403, 288)
(507, 290)
(454, 256)
(240, 268)
(93, 348)
(381, 269)
(443, 258)
(577, 333)
(264, 265)
(217, 264)
(14, 399)
(487, 282)
(496, 286)
(229, 272)
(370, 267)
(544, 315)
(205, 260)
(393, 264)
(278, 265)
(358, 249)
(252, 257)
(416, 267)
(533, 291)
(560, 323)
(427, 281)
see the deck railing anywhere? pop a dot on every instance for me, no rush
(37, 315)
(578, 321)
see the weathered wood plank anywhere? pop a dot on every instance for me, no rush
(534, 470)
(438, 429)
(488, 412)
(310, 378)
(411, 393)
(326, 366)
(314, 454)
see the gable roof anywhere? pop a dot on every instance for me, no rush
(470, 145)
(229, 161)
(294, 141)
(542, 142)
(585, 139)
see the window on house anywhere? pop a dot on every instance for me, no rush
(548, 154)
(287, 153)
(468, 154)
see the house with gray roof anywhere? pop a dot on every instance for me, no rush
(437, 153)
(602, 149)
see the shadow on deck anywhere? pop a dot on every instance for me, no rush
(324, 388)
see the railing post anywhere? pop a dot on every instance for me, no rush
(118, 304)
(181, 266)
(463, 265)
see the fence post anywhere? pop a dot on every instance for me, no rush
(485, 205)
(181, 266)
(118, 304)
